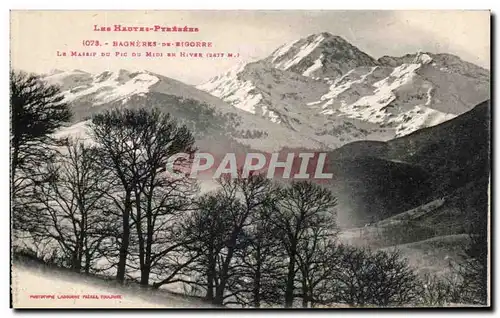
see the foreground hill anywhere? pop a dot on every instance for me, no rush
(38, 285)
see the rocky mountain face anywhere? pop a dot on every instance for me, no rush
(320, 56)
(321, 82)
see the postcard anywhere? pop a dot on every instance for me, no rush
(250, 159)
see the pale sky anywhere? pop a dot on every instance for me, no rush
(36, 36)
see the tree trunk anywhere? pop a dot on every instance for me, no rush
(219, 291)
(122, 262)
(290, 282)
(145, 271)
(219, 294)
(256, 285)
(304, 294)
(256, 289)
(87, 263)
(210, 278)
(138, 224)
(88, 256)
(210, 288)
(76, 263)
(149, 241)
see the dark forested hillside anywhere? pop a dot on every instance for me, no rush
(450, 160)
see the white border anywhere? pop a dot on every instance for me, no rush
(256, 4)
(200, 4)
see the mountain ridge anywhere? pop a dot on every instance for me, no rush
(269, 107)
(398, 95)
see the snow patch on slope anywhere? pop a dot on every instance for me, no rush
(107, 86)
(371, 108)
(58, 77)
(395, 100)
(316, 66)
(336, 89)
(242, 97)
(137, 85)
(78, 131)
(218, 83)
(270, 114)
(418, 117)
(283, 50)
(232, 90)
(423, 58)
(304, 51)
(237, 93)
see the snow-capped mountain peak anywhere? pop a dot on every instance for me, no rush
(319, 56)
(303, 51)
(322, 79)
(422, 58)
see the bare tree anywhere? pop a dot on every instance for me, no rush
(163, 248)
(159, 197)
(228, 212)
(301, 207)
(252, 192)
(374, 278)
(135, 146)
(262, 271)
(438, 291)
(70, 206)
(37, 110)
(317, 263)
(208, 230)
(392, 280)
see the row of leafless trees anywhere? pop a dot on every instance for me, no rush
(106, 205)
(252, 242)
